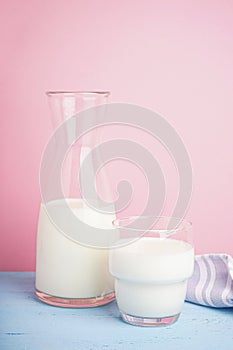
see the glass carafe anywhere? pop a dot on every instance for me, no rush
(70, 274)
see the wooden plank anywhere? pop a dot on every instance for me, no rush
(28, 324)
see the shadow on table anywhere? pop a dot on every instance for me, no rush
(17, 282)
(224, 310)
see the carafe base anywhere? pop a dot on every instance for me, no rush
(75, 302)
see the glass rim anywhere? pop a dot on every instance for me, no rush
(73, 92)
(182, 224)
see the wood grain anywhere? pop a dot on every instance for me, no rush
(28, 324)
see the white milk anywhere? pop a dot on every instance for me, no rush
(151, 276)
(65, 268)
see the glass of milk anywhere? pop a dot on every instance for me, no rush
(151, 271)
(72, 271)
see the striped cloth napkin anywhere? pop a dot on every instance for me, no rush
(212, 281)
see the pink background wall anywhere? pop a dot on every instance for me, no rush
(172, 56)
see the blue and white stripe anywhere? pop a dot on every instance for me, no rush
(212, 281)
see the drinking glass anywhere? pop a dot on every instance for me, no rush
(151, 271)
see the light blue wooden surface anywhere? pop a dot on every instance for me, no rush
(26, 323)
